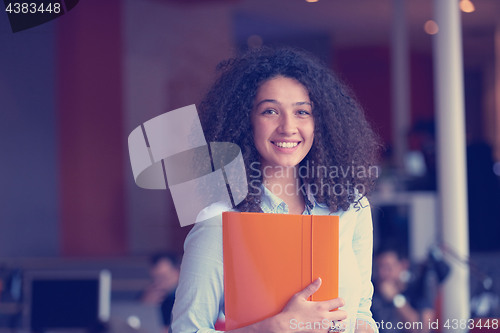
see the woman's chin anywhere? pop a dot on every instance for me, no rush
(282, 165)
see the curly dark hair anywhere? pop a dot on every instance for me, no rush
(343, 140)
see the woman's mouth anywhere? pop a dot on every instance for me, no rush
(285, 144)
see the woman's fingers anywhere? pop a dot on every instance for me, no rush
(334, 303)
(338, 315)
(299, 309)
(309, 290)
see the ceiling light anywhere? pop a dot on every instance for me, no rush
(467, 6)
(312, 0)
(431, 27)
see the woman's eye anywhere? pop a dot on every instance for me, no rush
(303, 113)
(269, 111)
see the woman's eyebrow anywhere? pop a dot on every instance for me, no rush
(268, 101)
(303, 103)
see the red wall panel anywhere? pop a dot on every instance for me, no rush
(91, 138)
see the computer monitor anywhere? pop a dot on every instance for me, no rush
(62, 300)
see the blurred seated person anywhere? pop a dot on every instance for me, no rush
(165, 276)
(398, 299)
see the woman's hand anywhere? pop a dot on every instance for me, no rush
(388, 290)
(301, 315)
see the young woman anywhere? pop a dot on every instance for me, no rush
(308, 150)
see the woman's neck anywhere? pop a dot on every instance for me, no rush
(285, 184)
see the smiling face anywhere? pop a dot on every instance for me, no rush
(282, 122)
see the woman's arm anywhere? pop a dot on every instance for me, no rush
(200, 292)
(362, 245)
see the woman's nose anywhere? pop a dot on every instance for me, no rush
(287, 124)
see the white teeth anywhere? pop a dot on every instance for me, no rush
(286, 144)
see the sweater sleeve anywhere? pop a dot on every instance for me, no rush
(363, 250)
(200, 292)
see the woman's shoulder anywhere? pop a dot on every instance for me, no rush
(213, 214)
(206, 234)
(361, 203)
(209, 220)
(356, 213)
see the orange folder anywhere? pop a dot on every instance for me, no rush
(270, 257)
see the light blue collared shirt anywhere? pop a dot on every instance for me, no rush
(200, 294)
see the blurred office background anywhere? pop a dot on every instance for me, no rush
(71, 91)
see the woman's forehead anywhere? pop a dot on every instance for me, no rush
(283, 87)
